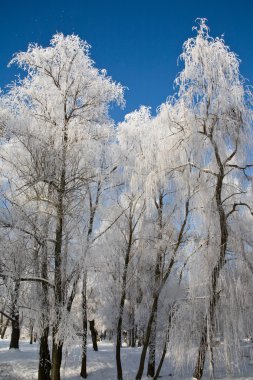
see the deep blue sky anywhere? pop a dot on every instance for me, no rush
(137, 41)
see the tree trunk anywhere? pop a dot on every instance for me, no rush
(94, 335)
(132, 330)
(15, 324)
(165, 344)
(83, 372)
(56, 360)
(1, 322)
(15, 333)
(161, 361)
(122, 302)
(44, 357)
(146, 338)
(157, 293)
(58, 289)
(158, 280)
(199, 368)
(152, 350)
(203, 346)
(118, 346)
(4, 328)
(31, 333)
(44, 353)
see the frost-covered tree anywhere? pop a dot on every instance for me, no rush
(217, 119)
(59, 119)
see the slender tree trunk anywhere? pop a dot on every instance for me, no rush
(158, 292)
(94, 335)
(59, 291)
(1, 323)
(31, 332)
(57, 346)
(146, 338)
(158, 280)
(165, 345)
(118, 347)
(93, 209)
(4, 328)
(44, 356)
(199, 368)
(161, 361)
(15, 323)
(152, 349)
(132, 330)
(150, 338)
(44, 353)
(203, 346)
(122, 303)
(85, 327)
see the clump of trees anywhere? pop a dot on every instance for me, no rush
(144, 226)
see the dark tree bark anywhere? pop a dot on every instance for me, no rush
(83, 372)
(56, 360)
(203, 346)
(31, 333)
(132, 331)
(152, 349)
(15, 323)
(1, 322)
(123, 297)
(157, 283)
(44, 357)
(146, 338)
(4, 328)
(57, 346)
(44, 353)
(93, 209)
(94, 335)
(161, 362)
(58, 288)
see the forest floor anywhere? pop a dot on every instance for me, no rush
(22, 364)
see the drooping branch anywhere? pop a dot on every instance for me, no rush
(243, 168)
(235, 205)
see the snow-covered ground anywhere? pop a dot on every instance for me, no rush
(22, 364)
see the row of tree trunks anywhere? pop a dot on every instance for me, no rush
(156, 295)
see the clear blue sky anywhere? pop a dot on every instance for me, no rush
(137, 41)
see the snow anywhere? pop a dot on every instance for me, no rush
(22, 364)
